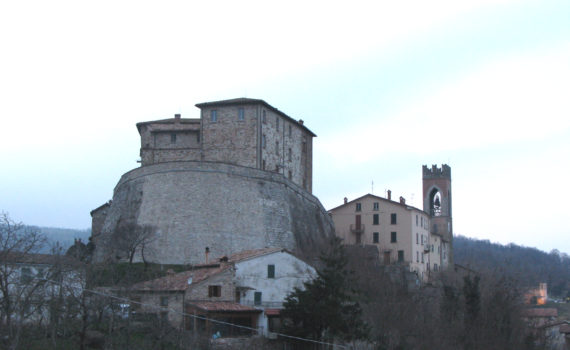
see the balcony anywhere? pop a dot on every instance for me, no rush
(354, 228)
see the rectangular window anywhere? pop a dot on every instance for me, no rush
(213, 115)
(270, 271)
(172, 138)
(304, 149)
(375, 219)
(393, 237)
(257, 298)
(241, 114)
(422, 258)
(263, 118)
(393, 219)
(376, 206)
(290, 175)
(422, 221)
(163, 301)
(422, 239)
(417, 256)
(277, 123)
(416, 220)
(375, 237)
(277, 147)
(289, 155)
(214, 291)
(25, 275)
(263, 165)
(400, 256)
(358, 206)
(417, 238)
(289, 130)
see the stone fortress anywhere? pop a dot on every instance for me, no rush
(237, 178)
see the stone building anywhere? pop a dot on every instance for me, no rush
(243, 131)
(403, 234)
(240, 177)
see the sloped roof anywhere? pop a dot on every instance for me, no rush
(378, 198)
(38, 259)
(179, 281)
(253, 253)
(540, 312)
(249, 101)
(221, 306)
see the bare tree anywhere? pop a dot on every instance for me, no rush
(18, 287)
(131, 238)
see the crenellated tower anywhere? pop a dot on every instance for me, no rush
(437, 202)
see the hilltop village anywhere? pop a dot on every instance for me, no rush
(233, 188)
(217, 242)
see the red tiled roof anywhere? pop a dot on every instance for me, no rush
(272, 312)
(248, 254)
(179, 281)
(540, 312)
(565, 328)
(221, 306)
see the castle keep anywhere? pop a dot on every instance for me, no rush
(239, 177)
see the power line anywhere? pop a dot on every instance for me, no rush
(195, 316)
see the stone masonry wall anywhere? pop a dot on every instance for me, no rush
(193, 205)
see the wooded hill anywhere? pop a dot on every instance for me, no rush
(529, 266)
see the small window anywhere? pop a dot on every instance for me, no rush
(422, 239)
(214, 291)
(422, 258)
(270, 271)
(304, 149)
(263, 165)
(393, 237)
(393, 219)
(417, 256)
(213, 116)
(263, 118)
(277, 147)
(375, 219)
(417, 238)
(422, 221)
(375, 237)
(416, 220)
(163, 301)
(289, 155)
(400, 256)
(277, 123)
(172, 138)
(241, 114)
(376, 206)
(435, 267)
(257, 298)
(290, 175)
(25, 275)
(432, 248)
(289, 130)
(358, 206)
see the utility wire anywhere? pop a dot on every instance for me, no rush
(195, 316)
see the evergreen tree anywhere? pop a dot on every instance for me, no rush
(327, 308)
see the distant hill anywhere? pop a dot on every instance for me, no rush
(529, 266)
(64, 236)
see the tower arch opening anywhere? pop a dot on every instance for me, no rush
(435, 202)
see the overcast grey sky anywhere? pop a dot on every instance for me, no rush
(387, 86)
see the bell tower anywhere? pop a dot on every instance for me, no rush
(437, 203)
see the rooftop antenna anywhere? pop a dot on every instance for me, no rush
(372, 187)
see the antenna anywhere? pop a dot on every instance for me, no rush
(372, 187)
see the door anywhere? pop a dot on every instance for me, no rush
(386, 258)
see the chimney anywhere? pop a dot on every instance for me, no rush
(402, 200)
(345, 200)
(301, 121)
(389, 195)
(207, 253)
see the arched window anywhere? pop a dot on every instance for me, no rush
(435, 202)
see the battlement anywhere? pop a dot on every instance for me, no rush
(435, 172)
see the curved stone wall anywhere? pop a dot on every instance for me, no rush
(228, 208)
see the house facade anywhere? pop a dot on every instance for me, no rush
(399, 231)
(246, 289)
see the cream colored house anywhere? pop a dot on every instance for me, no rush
(401, 232)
